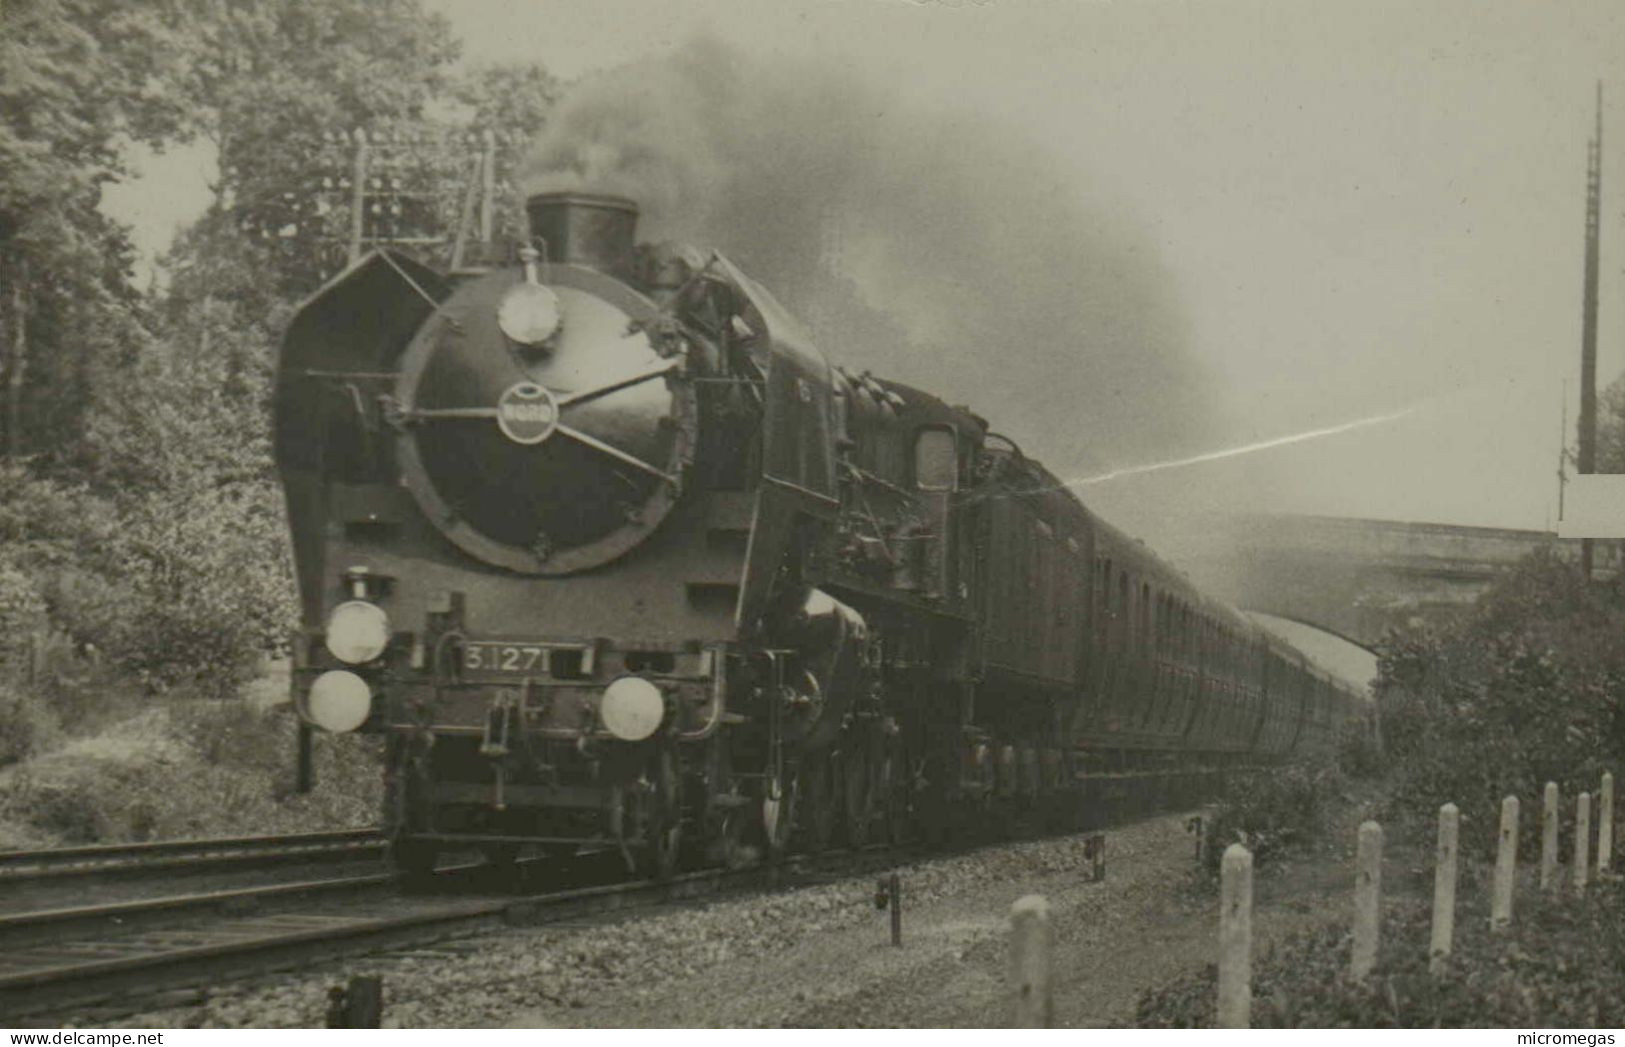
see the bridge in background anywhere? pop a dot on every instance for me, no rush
(1358, 578)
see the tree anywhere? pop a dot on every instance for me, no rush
(270, 79)
(1611, 427)
(78, 79)
(147, 518)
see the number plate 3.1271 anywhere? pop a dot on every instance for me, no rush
(518, 659)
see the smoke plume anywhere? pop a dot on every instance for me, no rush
(932, 247)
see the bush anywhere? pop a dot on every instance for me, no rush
(190, 768)
(1528, 688)
(1557, 967)
(1274, 812)
(22, 614)
(27, 724)
(209, 588)
(1358, 755)
(183, 581)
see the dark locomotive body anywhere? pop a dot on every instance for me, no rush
(614, 558)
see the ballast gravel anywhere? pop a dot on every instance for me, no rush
(808, 956)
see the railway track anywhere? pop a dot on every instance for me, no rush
(136, 859)
(114, 959)
(29, 927)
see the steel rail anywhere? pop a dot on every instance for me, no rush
(108, 859)
(58, 977)
(11, 924)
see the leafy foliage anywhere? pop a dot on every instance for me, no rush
(142, 539)
(78, 79)
(1557, 967)
(146, 519)
(1523, 690)
(1526, 689)
(1274, 812)
(188, 768)
(26, 723)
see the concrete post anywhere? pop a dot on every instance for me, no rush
(1235, 938)
(1032, 1004)
(1506, 866)
(1605, 823)
(357, 1005)
(304, 759)
(895, 886)
(1444, 886)
(1367, 899)
(1582, 842)
(1548, 838)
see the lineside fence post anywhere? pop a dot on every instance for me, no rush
(895, 886)
(1235, 1002)
(1605, 823)
(1367, 899)
(357, 1005)
(1444, 886)
(1506, 866)
(1548, 838)
(1032, 1001)
(1582, 841)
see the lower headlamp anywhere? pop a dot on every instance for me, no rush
(339, 701)
(632, 708)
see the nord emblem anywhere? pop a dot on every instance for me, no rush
(527, 414)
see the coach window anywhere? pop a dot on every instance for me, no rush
(1125, 625)
(936, 460)
(1145, 618)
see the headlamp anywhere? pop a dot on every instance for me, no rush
(357, 632)
(632, 708)
(339, 701)
(529, 313)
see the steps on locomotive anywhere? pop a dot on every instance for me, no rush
(713, 573)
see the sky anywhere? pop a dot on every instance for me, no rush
(1363, 212)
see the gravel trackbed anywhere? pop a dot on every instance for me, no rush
(811, 956)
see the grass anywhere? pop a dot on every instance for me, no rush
(167, 768)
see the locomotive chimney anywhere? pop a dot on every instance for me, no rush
(585, 229)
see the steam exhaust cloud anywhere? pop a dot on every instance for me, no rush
(937, 248)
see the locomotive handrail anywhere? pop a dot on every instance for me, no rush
(615, 452)
(400, 414)
(412, 414)
(415, 414)
(405, 416)
(618, 384)
(434, 303)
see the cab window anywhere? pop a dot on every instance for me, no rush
(936, 460)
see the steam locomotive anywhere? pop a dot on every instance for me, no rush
(615, 559)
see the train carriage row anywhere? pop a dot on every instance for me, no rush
(1075, 604)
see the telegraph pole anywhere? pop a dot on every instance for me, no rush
(1587, 457)
(1562, 452)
